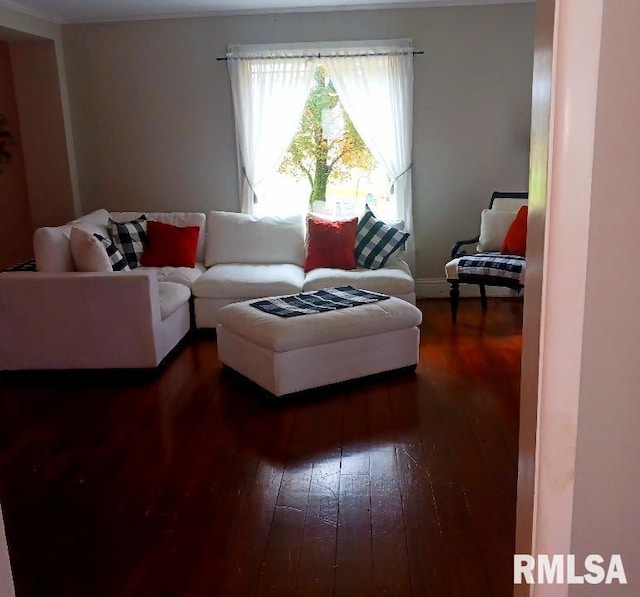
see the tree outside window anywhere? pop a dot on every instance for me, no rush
(327, 168)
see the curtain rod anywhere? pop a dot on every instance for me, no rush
(320, 55)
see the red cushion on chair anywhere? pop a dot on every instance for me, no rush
(515, 243)
(170, 245)
(331, 243)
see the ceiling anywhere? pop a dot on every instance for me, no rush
(81, 11)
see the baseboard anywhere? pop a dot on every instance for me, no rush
(439, 288)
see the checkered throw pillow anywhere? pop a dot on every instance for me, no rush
(118, 262)
(130, 238)
(376, 241)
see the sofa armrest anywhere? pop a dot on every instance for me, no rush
(74, 320)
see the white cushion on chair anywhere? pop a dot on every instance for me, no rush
(494, 225)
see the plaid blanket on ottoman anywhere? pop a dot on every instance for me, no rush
(493, 269)
(319, 301)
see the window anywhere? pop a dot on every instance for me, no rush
(327, 168)
(325, 127)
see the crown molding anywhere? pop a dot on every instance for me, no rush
(213, 12)
(18, 7)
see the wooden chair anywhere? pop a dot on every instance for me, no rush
(486, 266)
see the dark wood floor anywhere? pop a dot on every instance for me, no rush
(191, 482)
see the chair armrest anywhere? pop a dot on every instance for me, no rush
(455, 250)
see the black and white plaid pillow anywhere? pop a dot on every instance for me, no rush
(118, 262)
(376, 241)
(130, 238)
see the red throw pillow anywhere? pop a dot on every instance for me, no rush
(170, 245)
(515, 243)
(331, 243)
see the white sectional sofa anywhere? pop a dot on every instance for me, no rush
(59, 318)
(249, 258)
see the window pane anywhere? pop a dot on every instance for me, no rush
(327, 169)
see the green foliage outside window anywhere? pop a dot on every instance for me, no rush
(327, 145)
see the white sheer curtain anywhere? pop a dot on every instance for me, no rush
(269, 87)
(375, 83)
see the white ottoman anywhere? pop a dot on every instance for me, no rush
(285, 355)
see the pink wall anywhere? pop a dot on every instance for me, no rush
(564, 293)
(587, 480)
(15, 222)
(607, 474)
(39, 101)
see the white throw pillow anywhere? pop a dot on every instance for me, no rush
(89, 254)
(494, 226)
(240, 238)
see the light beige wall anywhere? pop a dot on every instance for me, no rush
(15, 223)
(607, 485)
(153, 120)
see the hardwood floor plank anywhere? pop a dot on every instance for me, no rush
(353, 543)
(391, 575)
(318, 551)
(282, 559)
(428, 563)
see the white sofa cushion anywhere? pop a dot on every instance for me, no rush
(175, 218)
(394, 278)
(172, 296)
(240, 238)
(494, 225)
(281, 334)
(180, 275)
(51, 243)
(241, 280)
(93, 252)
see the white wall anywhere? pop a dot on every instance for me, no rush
(153, 121)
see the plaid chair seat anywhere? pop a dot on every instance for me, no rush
(484, 264)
